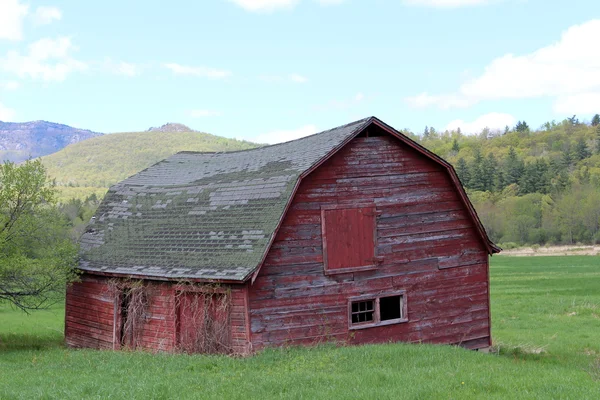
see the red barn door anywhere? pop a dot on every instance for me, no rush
(203, 322)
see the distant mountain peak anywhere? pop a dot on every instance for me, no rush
(21, 140)
(171, 127)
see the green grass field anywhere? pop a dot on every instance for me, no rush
(546, 326)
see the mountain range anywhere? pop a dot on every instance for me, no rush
(22, 140)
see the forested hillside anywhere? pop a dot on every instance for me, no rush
(529, 186)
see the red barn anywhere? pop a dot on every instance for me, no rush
(355, 235)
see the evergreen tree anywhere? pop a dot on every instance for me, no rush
(488, 171)
(455, 146)
(581, 150)
(567, 158)
(535, 178)
(477, 181)
(426, 133)
(462, 170)
(522, 127)
(598, 139)
(596, 120)
(506, 129)
(513, 166)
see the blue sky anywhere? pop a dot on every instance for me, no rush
(272, 70)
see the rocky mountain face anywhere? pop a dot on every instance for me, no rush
(21, 140)
(171, 127)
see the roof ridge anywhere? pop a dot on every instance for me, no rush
(362, 120)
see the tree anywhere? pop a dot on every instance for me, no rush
(598, 139)
(596, 120)
(514, 167)
(581, 150)
(426, 132)
(522, 127)
(37, 258)
(477, 181)
(462, 170)
(455, 146)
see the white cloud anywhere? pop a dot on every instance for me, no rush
(447, 3)
(47, 60)
(121, 68)
(494, 121)
(298, 78)
(204, 72)
(329, 2)
(273, 5)
(581, 103)
(6, 114)
(561, 70)
(265, 5)
(9, 85)
(285, 135)
(12, 13)
(44, 15)
(204, 113)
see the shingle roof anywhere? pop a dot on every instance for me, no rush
(202, 215)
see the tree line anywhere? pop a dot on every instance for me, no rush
(529, 186)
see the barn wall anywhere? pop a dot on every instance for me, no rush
(92, 311)
(428, 242)
(89, 314)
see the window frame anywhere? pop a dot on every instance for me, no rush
(376, 259)
(377, 314)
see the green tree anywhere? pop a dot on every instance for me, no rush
(455, 146)
(37, 258)
(513, 167)
(462, 170)
(488, 168)
(477, 181)
(596, 120)
(598, 139)
(581, 150)
(522, 127)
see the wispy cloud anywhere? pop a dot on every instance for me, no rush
(9, 85)
(448, 3)
(274, 5)
(46, 59)
(201, 113)
(121, 68)
(566, 70)
(45, 15)
(284, 135)
(494, 121)
(296, 78)
(12, 13)
(6, 114)
(204, 72)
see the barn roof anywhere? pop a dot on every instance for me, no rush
(212, 216)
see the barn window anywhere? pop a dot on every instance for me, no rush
(349, 236)
(386, 309)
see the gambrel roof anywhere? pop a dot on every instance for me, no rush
(213, 216)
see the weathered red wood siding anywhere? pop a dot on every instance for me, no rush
(90, 316)
(427, 241)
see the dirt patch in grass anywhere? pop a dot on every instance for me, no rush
(573, 250)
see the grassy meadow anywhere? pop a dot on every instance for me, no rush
(546, 329)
